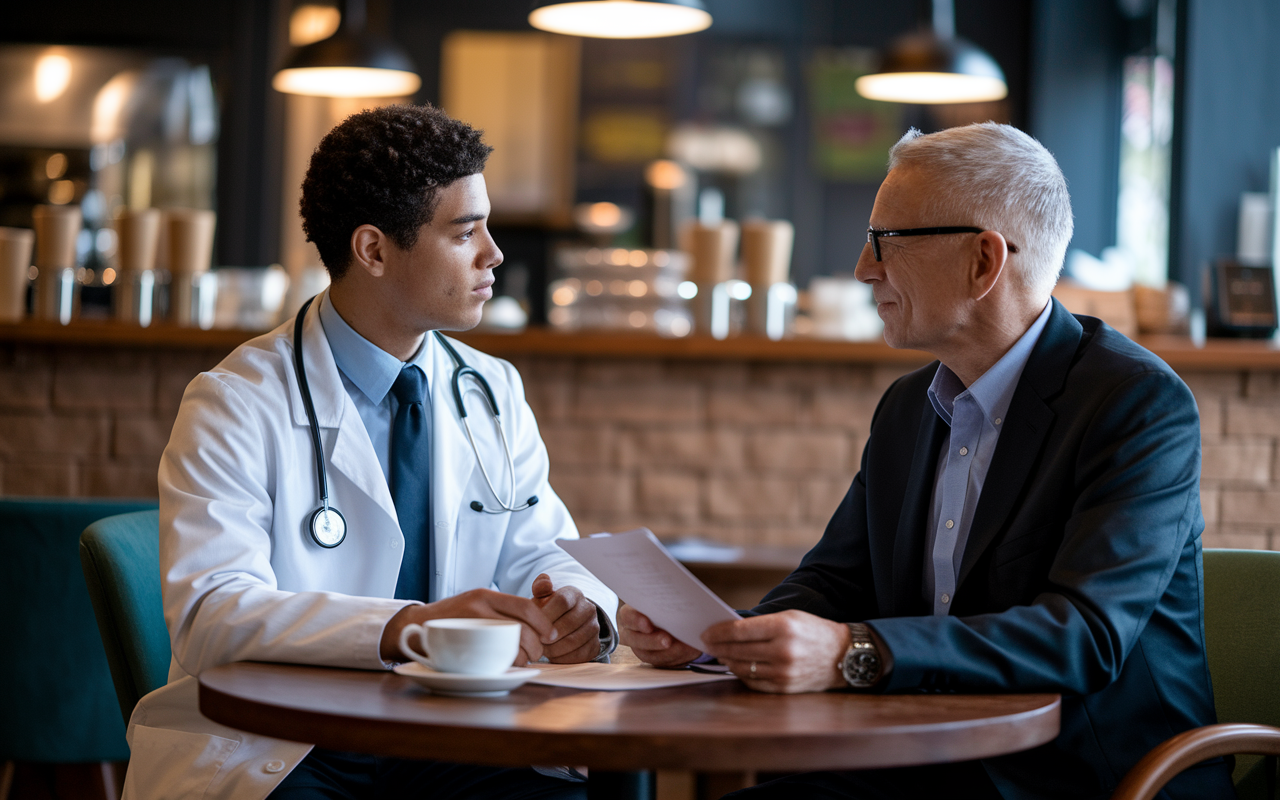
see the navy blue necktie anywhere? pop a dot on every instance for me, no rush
(411, 482)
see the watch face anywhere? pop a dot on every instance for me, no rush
(861, 667)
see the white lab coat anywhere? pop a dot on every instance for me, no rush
(243, 579)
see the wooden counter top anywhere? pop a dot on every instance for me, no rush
(1217, 355)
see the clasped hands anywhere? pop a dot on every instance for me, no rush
(560, 624)
(785, 653)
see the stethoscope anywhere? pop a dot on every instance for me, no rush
(328, 526)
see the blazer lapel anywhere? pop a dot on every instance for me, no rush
(908, 546)
(351, 452)
(1029, 419)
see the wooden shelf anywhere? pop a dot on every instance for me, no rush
(1217, 355)
(95, 333)
(543, 342)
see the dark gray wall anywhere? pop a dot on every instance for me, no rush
(1231, 123)
(1074, 99)
(1228, 106)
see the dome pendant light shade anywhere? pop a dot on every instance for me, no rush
(349, 64)
(933, 66)
(621, 19)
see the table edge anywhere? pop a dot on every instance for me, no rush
(1006, 734)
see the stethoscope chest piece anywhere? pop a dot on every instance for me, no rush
(328, 526)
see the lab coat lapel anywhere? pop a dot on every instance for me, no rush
(1028, 422)
(351, 450)
(908, 547)
(452, 463)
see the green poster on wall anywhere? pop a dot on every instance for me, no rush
(851, 134)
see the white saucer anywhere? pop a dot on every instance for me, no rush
(455, 684)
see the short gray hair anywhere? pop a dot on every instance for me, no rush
(996, 177)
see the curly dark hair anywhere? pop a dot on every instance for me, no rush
(384, 167)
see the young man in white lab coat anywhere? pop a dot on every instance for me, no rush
(396, 204)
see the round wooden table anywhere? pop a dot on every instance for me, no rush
(708, 727)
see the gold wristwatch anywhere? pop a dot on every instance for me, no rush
(861, 665)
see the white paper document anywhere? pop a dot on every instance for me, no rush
(619, 677)
(639, 569)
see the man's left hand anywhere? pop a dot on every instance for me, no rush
(792, 651)
(574, 618)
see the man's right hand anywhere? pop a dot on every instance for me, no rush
(650, 643)
(535, 628)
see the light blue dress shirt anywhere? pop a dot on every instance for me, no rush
(368, 373)
(976, 416)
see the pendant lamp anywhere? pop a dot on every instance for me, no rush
(932, 65)
(351, 63)
(621, 19)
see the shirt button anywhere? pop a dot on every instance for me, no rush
(273, 766)
(951, 523)
(998, 420)
(946, 598)
(964, 451)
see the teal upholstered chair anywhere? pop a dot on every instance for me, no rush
(1242, 637)
(56, 697)
(121, 560)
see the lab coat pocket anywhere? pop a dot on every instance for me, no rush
(479, 549)
(172, 763)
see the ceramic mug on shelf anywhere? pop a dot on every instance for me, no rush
(466, 646)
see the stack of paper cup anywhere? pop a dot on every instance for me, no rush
(766, 262)
(56, 292)
(15, 262)
(139, 234)
(711, 248)
(190, 252)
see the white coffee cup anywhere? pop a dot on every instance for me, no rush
(467, 646)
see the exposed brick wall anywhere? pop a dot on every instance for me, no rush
(750, 453)
(762, 453)
(741, 452)
(88, 422)
(1240, 488)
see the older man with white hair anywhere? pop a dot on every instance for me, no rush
(1027, 515)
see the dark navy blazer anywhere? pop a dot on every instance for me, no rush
(1082, 572)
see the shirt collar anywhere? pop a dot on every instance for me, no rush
(993, 391)
(372, 369)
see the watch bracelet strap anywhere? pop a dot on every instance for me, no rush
(860, 638)
(861, 634)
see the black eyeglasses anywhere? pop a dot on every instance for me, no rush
(874, 235)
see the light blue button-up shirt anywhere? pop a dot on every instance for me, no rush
(976, 416)
(368, 372)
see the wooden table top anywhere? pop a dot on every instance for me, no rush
(717, 726)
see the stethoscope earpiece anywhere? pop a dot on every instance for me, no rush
(476, 505)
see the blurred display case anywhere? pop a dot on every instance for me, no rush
(106, 130)
(616, 288)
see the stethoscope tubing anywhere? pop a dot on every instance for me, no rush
(461, 370)
(322, 478)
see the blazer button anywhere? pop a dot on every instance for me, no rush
(273, 767)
